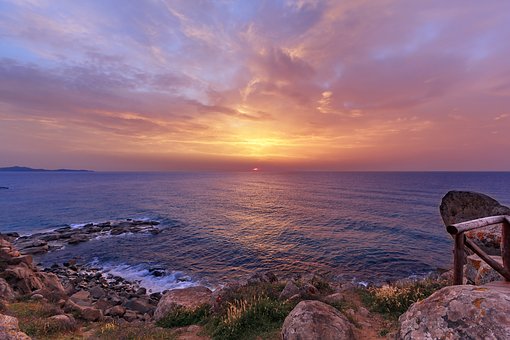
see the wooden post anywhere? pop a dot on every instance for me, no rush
(458, 260)
(505, 245)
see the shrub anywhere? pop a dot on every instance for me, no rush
(248, 318)
(392, 300)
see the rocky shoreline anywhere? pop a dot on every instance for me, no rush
(307, 307)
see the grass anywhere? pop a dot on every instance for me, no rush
(113, 330)
(392, 300)
(244, 312)
(247, 319)
(181, 316)
(34, 319)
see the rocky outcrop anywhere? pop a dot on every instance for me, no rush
(41, 243)
(478, 272)
(316, 320)
(461, 206)
(9, 329)
(188, 298)
(23, 277)
(459, 312)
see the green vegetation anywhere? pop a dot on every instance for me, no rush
(246, 319)
(113, 330)
(34, 319)
(392, 300)
(245, 312)
(180, 317)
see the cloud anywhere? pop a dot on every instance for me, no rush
(317, 84)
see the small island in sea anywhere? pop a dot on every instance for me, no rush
(27, 169)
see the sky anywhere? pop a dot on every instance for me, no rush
(344, 85)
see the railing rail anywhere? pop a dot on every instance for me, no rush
(457, 231)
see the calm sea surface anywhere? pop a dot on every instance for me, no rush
(224, 226)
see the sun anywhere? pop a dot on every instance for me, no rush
(255, 169)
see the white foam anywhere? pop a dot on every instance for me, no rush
(146, 279)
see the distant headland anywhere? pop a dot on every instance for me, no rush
(27, 169)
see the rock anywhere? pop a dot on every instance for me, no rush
(83, 312)
(91, 314)
(116, 311)
(461, 206)
(289, 290)
(78, 238)
(35, 250)
(141, 291)
(139, 305)
(37, 297)
(130, 316)
(9, 329)
(6, 292)
(66, 322)
(334, 298)
(97, 292)
(22, 279)
(478, 272)
(264, 277)
(189, 298)
(458, 312)
(316, 320)
(27, 259)
(103, 304)
(308, 291)
(81, 298)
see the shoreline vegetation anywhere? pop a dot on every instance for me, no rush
(73, 301)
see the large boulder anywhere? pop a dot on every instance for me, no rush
(9, 329)
(312, 320)
(461, 206)
(188, 298)
(459, 312)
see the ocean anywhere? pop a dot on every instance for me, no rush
(221, 227)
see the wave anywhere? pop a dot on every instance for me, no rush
(154, 279)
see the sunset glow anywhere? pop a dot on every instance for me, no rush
(221, 85)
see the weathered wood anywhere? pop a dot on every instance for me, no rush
(489, 260)
(505, 245)
(458, 259)
(457, 228)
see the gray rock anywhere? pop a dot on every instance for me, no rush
(289, 290)
(97, 292)
(458, 312)
(6, 292)
(312, 320)
(116, 311)
(78, 238)
(461, 206)
(66, 322)
(9, 329)
(139, 305)
(81, 298)
(189, 298)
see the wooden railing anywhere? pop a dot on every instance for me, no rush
(458, 230)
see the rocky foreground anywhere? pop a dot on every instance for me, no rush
(84, 302)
